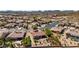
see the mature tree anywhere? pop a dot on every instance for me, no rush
(48, 32)
(35, 18)
(34, 27)
(26, 41)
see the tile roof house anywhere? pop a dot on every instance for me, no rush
(38, 38)
(10, 25)
(38, 34)
(16, 35)
(74, 33)
(3, 33)
(57, 29)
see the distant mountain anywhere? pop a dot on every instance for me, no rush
(39, 12)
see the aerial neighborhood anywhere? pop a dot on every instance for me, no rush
(38, 29)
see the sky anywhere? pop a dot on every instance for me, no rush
(29, 5)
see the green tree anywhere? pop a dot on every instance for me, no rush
(48, 32)
(26, 41)
(35, 18)
(8, 43)
(34, 26)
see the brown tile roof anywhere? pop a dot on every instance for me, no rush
(39, 33)
(16, 35)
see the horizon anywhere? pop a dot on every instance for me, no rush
(36, 10)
